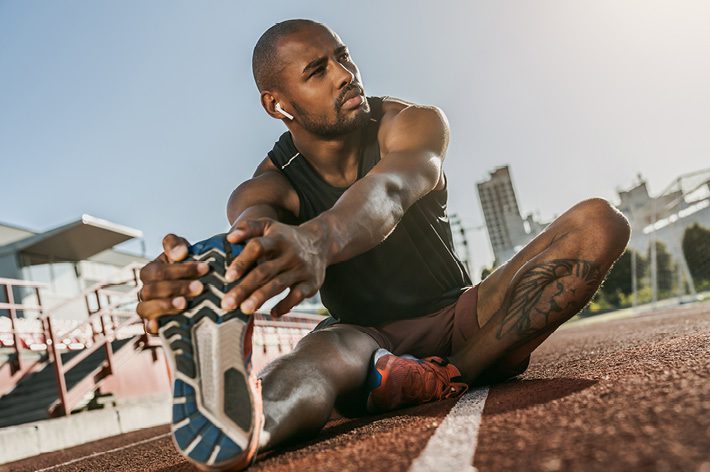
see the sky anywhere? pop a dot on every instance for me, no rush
(146, 114)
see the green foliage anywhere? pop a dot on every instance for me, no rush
(618, 286)
(696, 248)
(485, 272)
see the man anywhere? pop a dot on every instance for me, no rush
(352, 202)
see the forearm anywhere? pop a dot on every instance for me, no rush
(363, 217)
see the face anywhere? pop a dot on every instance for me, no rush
(321, 83)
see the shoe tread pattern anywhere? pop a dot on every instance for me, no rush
(195, 435)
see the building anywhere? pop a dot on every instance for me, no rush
(68, 259)
(642, 210)
(508, 231)
(664, 218)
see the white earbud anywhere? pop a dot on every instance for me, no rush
(281, 110)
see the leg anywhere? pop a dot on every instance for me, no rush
(546, 283)
(299, 389)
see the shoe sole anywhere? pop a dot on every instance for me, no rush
(216, 417)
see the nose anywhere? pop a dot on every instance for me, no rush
(344, 76)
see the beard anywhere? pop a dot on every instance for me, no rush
(320, 126)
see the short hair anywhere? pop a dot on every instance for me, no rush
(264, 58)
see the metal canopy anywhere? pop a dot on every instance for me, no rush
(72, 242)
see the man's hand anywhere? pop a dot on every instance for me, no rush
(285, 257)
(167, 286)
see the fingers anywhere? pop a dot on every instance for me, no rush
(153, 309)
(175, 247)
(247, 229)
(172, 288)
(254, 250)
(275, 286)
(295, 296)
(258, 277)
(158, 271)
(151, 326)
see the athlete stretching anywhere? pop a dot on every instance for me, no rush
(351, 201)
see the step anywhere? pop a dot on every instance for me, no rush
(31, 399)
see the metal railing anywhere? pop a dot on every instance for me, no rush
(110, 316)
(105, 322)
(13, 308)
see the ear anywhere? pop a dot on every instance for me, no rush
(269, 101)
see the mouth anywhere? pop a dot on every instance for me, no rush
(352, 99)
(352, 103)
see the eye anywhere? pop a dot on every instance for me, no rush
(345, 57)
(320, 70)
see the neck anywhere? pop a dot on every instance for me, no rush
(336, 159)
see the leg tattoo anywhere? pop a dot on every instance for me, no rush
(549, 292)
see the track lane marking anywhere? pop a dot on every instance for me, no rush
(96, 454)
(453, 445)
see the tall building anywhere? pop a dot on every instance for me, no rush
(506, 228)
(508, 231)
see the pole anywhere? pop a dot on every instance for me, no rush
(634, 283)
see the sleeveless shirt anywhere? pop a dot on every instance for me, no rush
(413, 272)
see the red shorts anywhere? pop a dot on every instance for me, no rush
(437, 334)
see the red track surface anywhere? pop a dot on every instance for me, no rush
(625, 394)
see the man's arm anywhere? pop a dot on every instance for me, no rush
(268, 194)
(413, 144)
(167, 286)
(413, 147)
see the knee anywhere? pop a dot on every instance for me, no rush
(332, 355)
(603, 224)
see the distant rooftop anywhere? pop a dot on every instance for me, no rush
(75, 241)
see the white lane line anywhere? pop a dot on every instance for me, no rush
(96, 454)
(453, 445)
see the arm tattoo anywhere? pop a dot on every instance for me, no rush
(548, 293)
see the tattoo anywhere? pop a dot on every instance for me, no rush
(548, 293)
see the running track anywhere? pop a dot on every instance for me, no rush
(608, 395)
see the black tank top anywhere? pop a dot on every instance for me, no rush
(413, 272)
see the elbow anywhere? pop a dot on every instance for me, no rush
(232, 212)
(397, 193)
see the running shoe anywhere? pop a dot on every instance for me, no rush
(399, 381)
(217, 412)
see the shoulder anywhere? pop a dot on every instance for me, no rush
(267, 186)
(413, 123)
(268, 175)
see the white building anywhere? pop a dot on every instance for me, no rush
(68, 259)
(665, 217)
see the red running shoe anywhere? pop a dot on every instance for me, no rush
(396, 382)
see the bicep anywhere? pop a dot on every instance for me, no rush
(414, 145)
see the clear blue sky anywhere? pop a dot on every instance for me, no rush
(145, 113)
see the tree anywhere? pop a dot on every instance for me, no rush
(619, 280)
(696, 248)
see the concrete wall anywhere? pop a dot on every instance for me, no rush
(19, 442)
